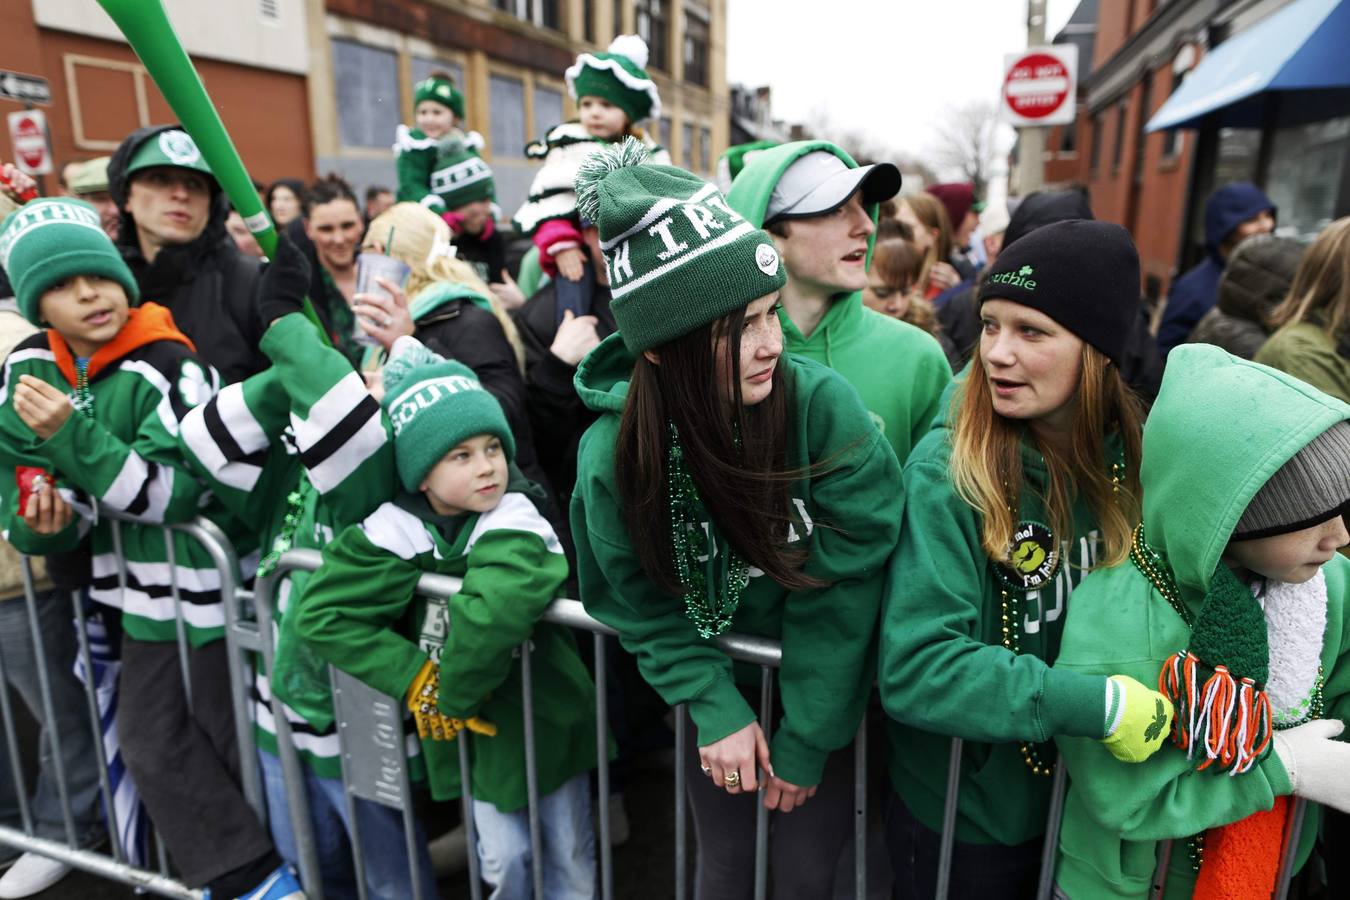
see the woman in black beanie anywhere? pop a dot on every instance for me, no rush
(1032, 481)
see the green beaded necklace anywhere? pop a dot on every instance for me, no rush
(285, 538)
(83, 401)
(713, 576)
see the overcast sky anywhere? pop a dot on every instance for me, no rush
(884, 67)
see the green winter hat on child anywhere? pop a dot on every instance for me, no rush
(461, 175)
(619, 76)
(434, 404)
(678, 256)
(48, 241)
(442, 90)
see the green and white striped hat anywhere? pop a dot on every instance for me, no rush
(461, 176)
(678, 256)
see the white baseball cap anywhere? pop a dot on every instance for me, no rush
(820, 182)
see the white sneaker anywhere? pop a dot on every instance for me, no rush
(32, 874)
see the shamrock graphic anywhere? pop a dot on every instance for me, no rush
(1025, 271)
(1159, 720)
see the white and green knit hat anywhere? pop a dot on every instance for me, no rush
(678, 256)
(48, 241)
(434, 404)
(619, 75)
(461, 176)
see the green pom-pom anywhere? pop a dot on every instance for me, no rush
(407, 354)
(611, 158)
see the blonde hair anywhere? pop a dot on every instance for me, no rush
(986, 461)
(408, 232)
(1321, 287)
(932, 215)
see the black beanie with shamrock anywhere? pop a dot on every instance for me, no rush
(1081, 273)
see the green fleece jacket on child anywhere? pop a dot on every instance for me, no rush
(945, 673)
(1202, 465)
(422, 163)
(848, 511)
(899, 371)
(123, 457)
(305, 428)
(361, 612)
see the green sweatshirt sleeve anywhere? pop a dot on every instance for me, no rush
(512, 577)
(350, 610)
(414, 177)
(828, 635)
(681, 666)
(937, 671)
(342, 436)
(146, 478)
(927, 388)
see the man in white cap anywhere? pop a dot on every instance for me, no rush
(821, 208)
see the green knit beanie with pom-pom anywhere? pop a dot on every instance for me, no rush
(434, 404)
(678, 256)
(442, 90)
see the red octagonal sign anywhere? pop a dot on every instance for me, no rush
(30, 143)
(1036, 86)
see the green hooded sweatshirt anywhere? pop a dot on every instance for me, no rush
(848, 511)
(899, 370)
(944, 671)
(1220, 428)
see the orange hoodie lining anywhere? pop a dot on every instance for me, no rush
(146, 324)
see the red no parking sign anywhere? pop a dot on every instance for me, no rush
(28, 137)
(1040, 85)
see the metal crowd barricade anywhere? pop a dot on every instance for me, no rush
(373, 746)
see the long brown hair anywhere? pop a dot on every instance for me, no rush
(933, 215)
(739, 463)
(986, 461)
(898, 264)
(1321, 288)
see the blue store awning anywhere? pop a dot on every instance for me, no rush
(1304, 46)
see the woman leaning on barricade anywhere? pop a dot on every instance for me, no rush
(729, 488)
(1033, 480)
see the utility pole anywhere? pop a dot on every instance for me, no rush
(1031, 139)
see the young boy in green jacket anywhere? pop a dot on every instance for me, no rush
(96, 402)
(465, 513)
(1246, 473)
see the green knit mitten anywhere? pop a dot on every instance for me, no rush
(1138, 720)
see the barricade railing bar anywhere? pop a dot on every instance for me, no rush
(374, 748)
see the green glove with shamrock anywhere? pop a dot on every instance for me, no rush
(1138, 720)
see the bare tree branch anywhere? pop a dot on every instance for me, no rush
(968, 141)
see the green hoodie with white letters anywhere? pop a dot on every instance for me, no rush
(849, 513)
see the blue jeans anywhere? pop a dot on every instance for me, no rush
(567, 839)
(56, 624)
(386, 861)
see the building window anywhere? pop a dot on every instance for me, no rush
(695, 46)
(548, 110)
(1098, 124)
(652, 27)
(663, 133)
(422, 67)
(544, 13)
(367, 94)
(1172, 137)
(1122, 116)
(705, 150)
(618, 17)
(687, 147)
(1068, 138)
(507, 98)
(1141, 136)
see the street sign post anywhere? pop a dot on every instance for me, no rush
(21, 88)
(1040, 85)
(28, 137)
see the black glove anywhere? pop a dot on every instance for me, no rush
(284, 282)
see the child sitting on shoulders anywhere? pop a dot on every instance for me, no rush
(465, 512)
(429, 155)
(613, 93)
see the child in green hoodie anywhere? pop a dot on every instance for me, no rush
(1030, 481)
(431, 156)
(96, 401)
(464, 513)
(727, 487)
(1246, 473)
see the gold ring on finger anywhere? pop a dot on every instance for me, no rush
(732, 779)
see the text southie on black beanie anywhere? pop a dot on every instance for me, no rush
(1083, 274)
